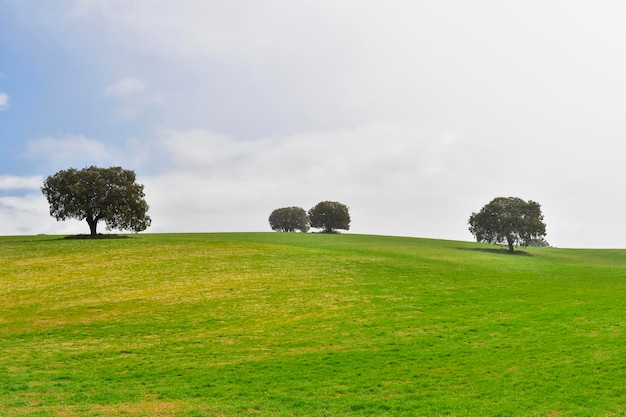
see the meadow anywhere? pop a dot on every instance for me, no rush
(277, 324)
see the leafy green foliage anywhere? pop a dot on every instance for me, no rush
(509, 220)
(289, 219)
(329, 216)
(98, 194)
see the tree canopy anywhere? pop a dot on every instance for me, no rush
(98, 194)
(289, 219)
(508, 220)
(329, 216)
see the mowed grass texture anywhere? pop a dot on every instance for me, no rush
(271, 324)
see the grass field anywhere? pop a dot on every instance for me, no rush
(271, 324)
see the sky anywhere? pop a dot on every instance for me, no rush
(413, 113)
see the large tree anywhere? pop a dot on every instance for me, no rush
(508, 220)
(98, 194)
(330, 215)
(289, 219)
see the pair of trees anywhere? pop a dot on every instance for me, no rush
(326, 215)
(98, 194)
(511, 221)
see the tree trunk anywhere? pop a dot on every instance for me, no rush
(510, 242)
(92, 226)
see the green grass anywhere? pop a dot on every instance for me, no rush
(270, 324)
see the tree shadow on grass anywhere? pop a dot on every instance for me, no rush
(52, 238)
(499, 251)
(98, 236)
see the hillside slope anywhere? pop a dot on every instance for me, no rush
(272, 324)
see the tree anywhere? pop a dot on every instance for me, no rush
(289, 219)
(98, 194)
(330, 215)
(509, 220)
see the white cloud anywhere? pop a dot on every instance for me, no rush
(70, 149)
(344, 63)
(31, 203)
(4, 101)
(13, 182)
(125, 87)
(134, 98)
(28, 215)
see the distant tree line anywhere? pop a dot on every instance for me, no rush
(112, 195)
(329, 216)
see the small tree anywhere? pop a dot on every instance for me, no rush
(98, 194)
(289, 219)
(330, 215)
(509, 220)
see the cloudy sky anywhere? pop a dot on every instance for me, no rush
(414, 113)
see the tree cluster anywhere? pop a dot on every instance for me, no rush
(329, 216)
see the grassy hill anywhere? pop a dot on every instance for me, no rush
(270, 324)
